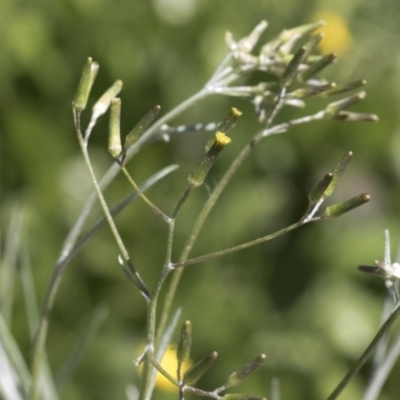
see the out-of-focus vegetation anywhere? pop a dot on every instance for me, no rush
(298, 299)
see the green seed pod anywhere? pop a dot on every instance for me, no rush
(104, 102)
(318, 192)
(333, 109)
(141, 127)
(304, 29)
(198, 370)
(348, 116)
(88, 76)
(347, 87)
(114, 134)
(230, 120)
(196, 179)
(338, 209)
(185, 343)
(291, 69)
(317, 67)
(337, 172)
(312, 91)
(313, 43)
(237, 376)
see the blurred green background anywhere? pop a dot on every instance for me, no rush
(299, 299)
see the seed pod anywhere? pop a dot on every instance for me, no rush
(104, 102)
(114, 134)
(196, 179)
(333, 109)
(198, 370)
(141, 127)
(237, 376)
(88, 76)
(338, 209)
(185, 343)
(291, 69)
(316, 67)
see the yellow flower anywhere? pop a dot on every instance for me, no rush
(170, 363)
(338, 38)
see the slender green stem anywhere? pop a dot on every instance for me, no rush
(239, 247)
(147, 381)
(115, 169)
(160, 369)
(365, 355)
(63, 263)
(109, 218)
(41, 335)
(156, 127)
(181, 200)
(198, 225)
(144, 197)
(68, 248)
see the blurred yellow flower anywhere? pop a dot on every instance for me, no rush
(170, 364)
(337, 38)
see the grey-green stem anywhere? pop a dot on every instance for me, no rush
(365, 355)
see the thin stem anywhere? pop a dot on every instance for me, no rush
(163, 120)
(242, 246)
(220, 71)
(198, 225)
(144, 197)
(382, 371)
(181, 200)
(68, 247)
(115, 169)
(160, 369)
(365, 355)
(202, 393)
(63, 263)
(147, 381)
(110, 220)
